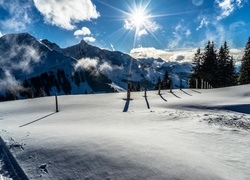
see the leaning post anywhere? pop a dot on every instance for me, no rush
(145, 89)
(180, 84)
(159, 89)
(128, 91)
(171, 86)
(56, 103)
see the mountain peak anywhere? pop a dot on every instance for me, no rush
(83, 42)
(18, 39)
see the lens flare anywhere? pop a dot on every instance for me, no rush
(198, 2)
(138, 18)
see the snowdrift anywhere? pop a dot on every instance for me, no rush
(187, 134)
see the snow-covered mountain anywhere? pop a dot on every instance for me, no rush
(30, 67)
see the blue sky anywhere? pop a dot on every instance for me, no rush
(121, 25)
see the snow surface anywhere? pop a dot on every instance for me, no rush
(184, 135)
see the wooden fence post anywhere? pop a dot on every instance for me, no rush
(180, 84)
(56, 103)
(145, 89)
(171, 86)
(128, 91)
(159, 89)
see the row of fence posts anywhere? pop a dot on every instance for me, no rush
(203, 84)
(129, 90)
(171, 86)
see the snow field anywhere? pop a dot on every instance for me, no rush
(92, 138)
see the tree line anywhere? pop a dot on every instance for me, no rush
(217, 67)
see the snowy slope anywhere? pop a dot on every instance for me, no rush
(184, 135)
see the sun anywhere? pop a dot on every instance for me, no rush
(138, 18)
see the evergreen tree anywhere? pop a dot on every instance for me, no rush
(215, 68)
(222, 71)
(229, 74)
(196, 68)
(209, 67)
(244, 76)
(232, 78)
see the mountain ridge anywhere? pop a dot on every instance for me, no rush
(44, 68)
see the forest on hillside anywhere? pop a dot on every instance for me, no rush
(217, 68)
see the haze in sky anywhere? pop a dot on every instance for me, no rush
(131, 25)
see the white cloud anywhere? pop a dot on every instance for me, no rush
(147, 52)
(204, 22)
(142, 32)
(235, 25)
(128, 25)
(86, 63)
(22, 58)
(84, 31)
(113, 49)
(8, 82)
(95, 66)
(188, 32)
(227, 7)
(65, 13)
(237, 55)
(179, 55)
(148, 25)
(1, 34)
(150, 52)
(219, 33)
(175, 41)
(89, 39)
(20, 15)
(152, 26)
(181, 32)
(105, 68)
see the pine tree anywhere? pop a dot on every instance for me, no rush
(244, 77)
(228, 70)
(232, 78)
(209, 67)
(196, 68)
(222, 62)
